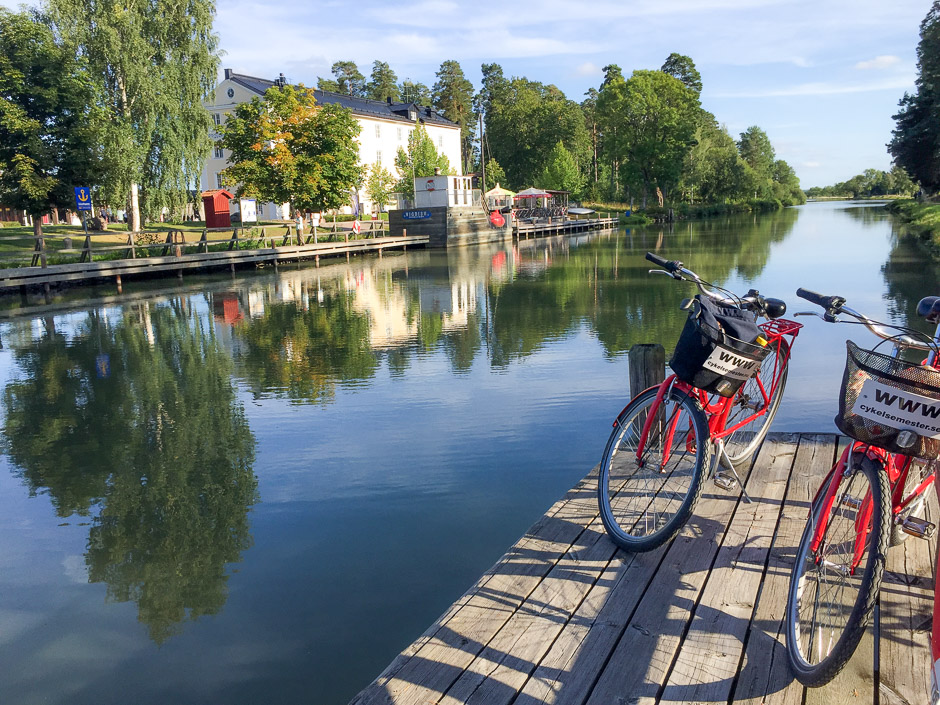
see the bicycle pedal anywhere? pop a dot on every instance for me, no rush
(725, 482)
(915, 526)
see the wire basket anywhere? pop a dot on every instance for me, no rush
(882, 396)
(711, 359)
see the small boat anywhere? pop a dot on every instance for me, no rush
(580, 211)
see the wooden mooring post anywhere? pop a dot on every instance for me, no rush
(647, 366)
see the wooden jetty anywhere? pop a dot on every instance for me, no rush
(566, 618)
(173, 257)
(562, 227)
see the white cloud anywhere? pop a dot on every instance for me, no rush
(811, 165)
(879, 62)
(588, 69)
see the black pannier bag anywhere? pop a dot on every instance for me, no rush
(720, 348)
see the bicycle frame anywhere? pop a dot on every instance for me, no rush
(719, 410)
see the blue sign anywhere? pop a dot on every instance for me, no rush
(416, 215)
(83, 198)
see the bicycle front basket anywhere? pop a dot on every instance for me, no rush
(882, 396)
(711, 358)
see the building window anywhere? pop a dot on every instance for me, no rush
(378, 130)
(218, 181)
(399, 134)
(440, 141)
(217, 117)
(378, 157)
(218, 153)
(260, 211)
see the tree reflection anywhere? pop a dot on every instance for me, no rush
(138, 422)
(605, 286)
(910, 275)
(304, 354)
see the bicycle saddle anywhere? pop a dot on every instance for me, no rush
(929, 308)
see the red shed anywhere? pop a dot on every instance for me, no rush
(215, 203)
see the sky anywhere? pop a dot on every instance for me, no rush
(822, 78)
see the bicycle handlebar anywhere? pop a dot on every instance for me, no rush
(830, 303)
(835, 305)
(669, 266)
(752, 301)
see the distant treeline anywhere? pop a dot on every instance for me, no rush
(631, 140)
(869, 184)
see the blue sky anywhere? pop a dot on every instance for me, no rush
(822, 78)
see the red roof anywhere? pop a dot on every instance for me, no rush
(216, 191)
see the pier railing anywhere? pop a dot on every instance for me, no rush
(41, 251)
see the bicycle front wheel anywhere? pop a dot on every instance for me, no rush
(753, 397)
(648, 485)
(833, 589)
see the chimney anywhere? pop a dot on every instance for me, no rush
(428, 110)
(228, 73)
(389, 100)
(280, 81)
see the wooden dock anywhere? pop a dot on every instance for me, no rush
(566, 618)
(180, 261)
(562, 227)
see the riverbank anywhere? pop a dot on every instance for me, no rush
(922, 220)
(683, 211)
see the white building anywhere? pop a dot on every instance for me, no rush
(385, 127)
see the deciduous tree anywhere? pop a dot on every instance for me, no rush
(380, 184)
(285, 147)
(524, 122)
(757, 151)
(420, 159)
(49, 122)
(157, 62)
(495, 176)
(561, 172)
(651, 119)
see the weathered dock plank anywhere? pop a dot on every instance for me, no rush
(565, 617)
(764, 676)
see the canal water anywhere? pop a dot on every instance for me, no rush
(260, 488)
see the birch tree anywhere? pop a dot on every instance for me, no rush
(156, 61)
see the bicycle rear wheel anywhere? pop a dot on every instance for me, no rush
(741, 444)
(644, 501)
(830, 602)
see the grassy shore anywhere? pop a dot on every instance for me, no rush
(682, 211)
(922, 220)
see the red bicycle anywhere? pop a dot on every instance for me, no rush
(714, 411)
(874, 496)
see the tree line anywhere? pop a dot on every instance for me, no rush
(869, 184)
(627, 140)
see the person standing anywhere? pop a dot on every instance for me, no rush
(300, 225)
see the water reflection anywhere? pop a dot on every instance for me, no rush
(317, 329)
(486, 378)
(133, 421)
